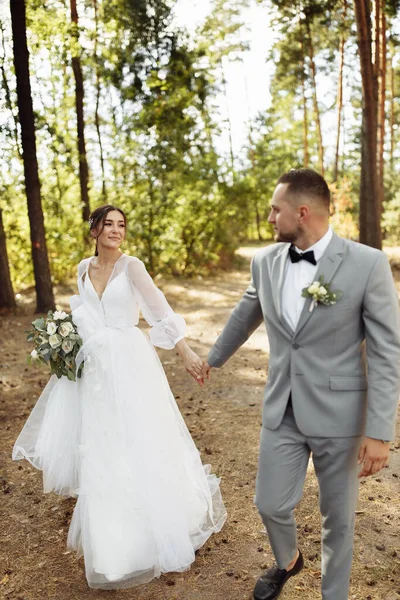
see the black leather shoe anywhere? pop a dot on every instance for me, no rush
(270, 585)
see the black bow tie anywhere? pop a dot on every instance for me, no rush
(297, 256)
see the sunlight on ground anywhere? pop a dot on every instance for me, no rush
(392, 251)
(196, 294)
(249, 251)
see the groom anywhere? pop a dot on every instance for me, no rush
(333, 380)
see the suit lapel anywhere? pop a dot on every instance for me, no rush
(277, 277)
(328, 265)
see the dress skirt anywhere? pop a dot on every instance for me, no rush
(116, 441)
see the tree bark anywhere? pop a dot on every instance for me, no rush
(376, 51)
(7, 298)
(392, 115)
(340, 95)
(382, 61)
(256, 202)
(315, 100)
(96, 112)
(44, 290)
(7, 92)
(228, 120)
(370, 231)
(79, 95)
(305, 115)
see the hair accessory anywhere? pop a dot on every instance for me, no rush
(91, 221)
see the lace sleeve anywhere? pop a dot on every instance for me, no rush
(167, 327)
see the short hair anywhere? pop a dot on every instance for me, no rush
(306, 182)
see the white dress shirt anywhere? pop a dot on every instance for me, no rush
(298, 276)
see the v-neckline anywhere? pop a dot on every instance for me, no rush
(100, 298)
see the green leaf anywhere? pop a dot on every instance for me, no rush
(39, 324)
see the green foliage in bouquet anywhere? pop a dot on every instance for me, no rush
(57, 343)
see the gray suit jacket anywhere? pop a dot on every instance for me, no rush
(342, 364)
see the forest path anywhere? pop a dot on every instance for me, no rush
(224, 419)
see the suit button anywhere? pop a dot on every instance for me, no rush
(295, 346)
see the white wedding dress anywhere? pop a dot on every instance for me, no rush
(116, 440)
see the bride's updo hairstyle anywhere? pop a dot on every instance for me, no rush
(97, 218)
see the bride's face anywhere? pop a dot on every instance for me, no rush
(113, 233)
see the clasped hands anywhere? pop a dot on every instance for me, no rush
(373, 454)
(193, 363)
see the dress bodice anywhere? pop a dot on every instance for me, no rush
(118, 307)
(129, 290)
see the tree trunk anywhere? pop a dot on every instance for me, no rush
(150, 233)
(228, 119)
(376, 51)
(370, 231)
(382, 61)
(79, 94)
(96, 112)
(7, 93)
(57, 200)
(340, 95)
(256, 204)
(392, 115)
(44, 290)
(7, 299)
(315, 100)
(305, 115)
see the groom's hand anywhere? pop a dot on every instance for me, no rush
(206, 370)
(373, 455)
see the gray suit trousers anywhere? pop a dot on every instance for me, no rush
(284, 456)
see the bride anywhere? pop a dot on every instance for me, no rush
(115, 438)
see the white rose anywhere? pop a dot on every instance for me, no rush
(67, 346)
(34, 354)
(60, 315)
(51, 328)
(65, 329)
(314, 288)
(322, 291)
(55, 341)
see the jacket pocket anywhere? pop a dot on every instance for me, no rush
(350, 383)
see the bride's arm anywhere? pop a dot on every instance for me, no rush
(167, 327)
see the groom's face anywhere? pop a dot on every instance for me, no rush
(284, 215)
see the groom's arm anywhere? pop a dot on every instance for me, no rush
(382, 333)
(245, 318)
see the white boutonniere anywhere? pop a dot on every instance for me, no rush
(320, 292)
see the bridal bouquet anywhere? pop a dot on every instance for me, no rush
(57, 342)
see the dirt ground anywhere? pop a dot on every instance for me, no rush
(224, 419)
